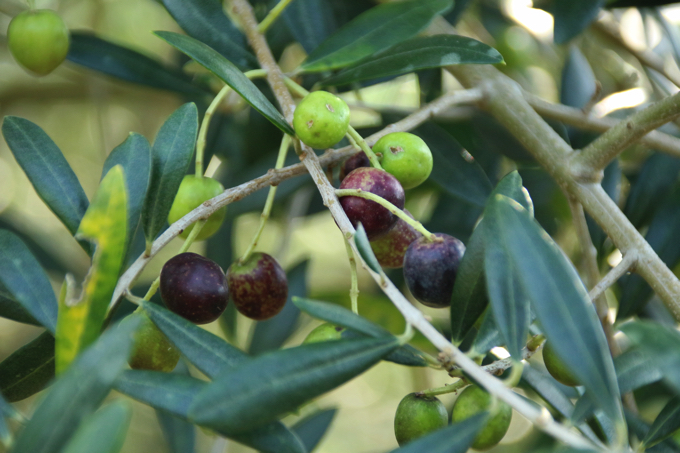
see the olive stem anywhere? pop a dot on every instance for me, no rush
(351, 132)
(281, 158)
(627, 263)
(449, 388)
(354, 288)
(203, 132)
(389, 206)
(198, 226)
(272, 16)
(295, 87)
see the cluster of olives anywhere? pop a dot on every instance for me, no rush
(430, 266)
(38, 40)
(418, 415)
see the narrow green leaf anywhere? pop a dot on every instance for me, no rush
(269, 335)
(104, 432)
(365, 250)
(378, 28)
(47, 169)
(278, 382)
(210, 353)
(661, 344)
(312, 428)
(635, 369)
(488, 336)
(572, 17)
(640, 429)
(462, 178)
(174, 394)
(455, 438)
(469, 297)
(310, 22)
(25, 280)
(134, 155)
(230, 74)
(11, 309)
(78, 392)
(126, 64)
(560, 301)
(179, 433)
(578, 80)
(508, 300)
(340, 316)
(80, 320)
(170, 159)
(416, 54)
(29, 369)
(656, 178)
(205, 20)
(665, 424)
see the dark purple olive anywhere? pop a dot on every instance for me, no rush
(353, 162)
(194, 287)
(430, 269)
(258, 287)
(377, 221)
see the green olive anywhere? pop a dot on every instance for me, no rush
(152, 350)
(557, 368)
(38, 40)
(192, 192)
(405, 156)
(474, 400)
(321, 119)
(324, 332)
(418, 415)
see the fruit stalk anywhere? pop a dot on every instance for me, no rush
(272, 16)
(359, 140)
(389, 206)
(281, 158)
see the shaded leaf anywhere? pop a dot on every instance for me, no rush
(126, 64)
(174, 394)
(29, 369)
(656, 178)
(312, 428)
(416, 54)
(11, 309)
(205, 20)
(230, 74)
(365, 250)
(378, 28)
(278, 382)
(211, 354)
(310, 22)
(578, 81)
(80, 320)
(488, 336)
(560, 301)
(78, 392)
(665, 424)
(47, 169)
(272, 333)
(24, 279)
(134, 155)
(640, 429)
(635, 369)
(179, 433)
(455, 438)
(572, 17)
(170, 158)
(104, 432)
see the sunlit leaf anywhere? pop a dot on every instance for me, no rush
(80, 319)
(47, 169)
(230, 74)
(170, 158)
(416, 54)
(378, 28)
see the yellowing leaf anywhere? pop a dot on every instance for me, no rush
(80, 318)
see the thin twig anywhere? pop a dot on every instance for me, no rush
(629, 260)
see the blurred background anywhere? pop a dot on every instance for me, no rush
(88, 113)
